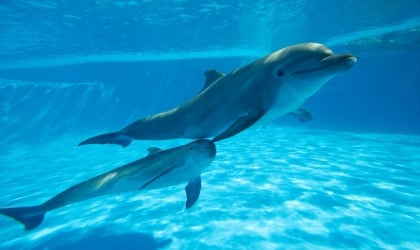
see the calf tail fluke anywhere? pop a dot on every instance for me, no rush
(110, 138)
(30, 217)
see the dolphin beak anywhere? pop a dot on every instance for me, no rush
(205, 146)
(346, 61)
(212, 151)
(341, 62)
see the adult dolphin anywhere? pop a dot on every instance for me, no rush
(272, 86)
(161, 168)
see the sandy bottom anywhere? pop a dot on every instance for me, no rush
(273, 188)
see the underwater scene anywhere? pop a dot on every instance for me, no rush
(209, 124)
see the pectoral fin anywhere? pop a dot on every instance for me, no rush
(242, 123)
(302, 115)
(193, 191)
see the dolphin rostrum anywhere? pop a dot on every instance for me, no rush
(161, 168)
(272, 86)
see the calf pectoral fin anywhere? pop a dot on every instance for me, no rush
(241, 124)
(302, 115)
(193, 191)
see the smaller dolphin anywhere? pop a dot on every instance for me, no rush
(161, 168)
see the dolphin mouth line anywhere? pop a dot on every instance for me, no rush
(347, 59)
(308, 70)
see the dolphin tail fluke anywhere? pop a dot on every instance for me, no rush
(30, 217)
(110, 138)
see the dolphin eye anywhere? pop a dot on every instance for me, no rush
(280, 73)
(191, 147)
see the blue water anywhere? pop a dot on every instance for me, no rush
(349, 179)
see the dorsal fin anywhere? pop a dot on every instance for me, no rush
(153, 150)
(211, 76)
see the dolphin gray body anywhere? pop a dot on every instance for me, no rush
(263, 90)
(161, 168)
